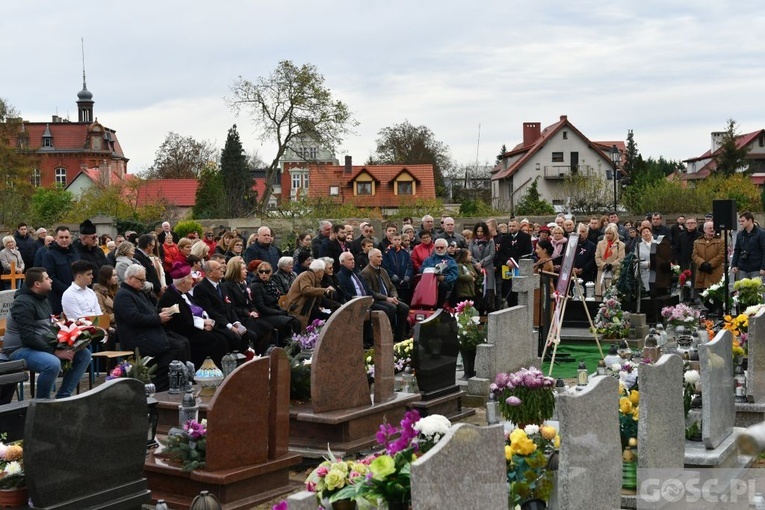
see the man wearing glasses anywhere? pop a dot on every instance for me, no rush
(140, 326)
(445, 268)
(87, 246)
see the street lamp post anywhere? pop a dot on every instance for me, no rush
(616, 156)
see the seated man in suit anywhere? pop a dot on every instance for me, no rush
(140, 326)
(211, 295)
(384, 294)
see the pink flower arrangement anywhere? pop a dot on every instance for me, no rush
(525, 396)
(396, 439)
(195, 430)
(681, 314)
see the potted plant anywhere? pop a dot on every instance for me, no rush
(748, 292)
(714, 298)
(527, 452)
(188, 446)
(333, 475)
(681, 315)
(525, 397)
(388, 479)
(469, 334)
(13, 486)
(611, 321)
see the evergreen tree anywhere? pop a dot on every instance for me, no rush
(235, 175)
(631, 154)
(730, 157)
(210, 198)
(532, 203)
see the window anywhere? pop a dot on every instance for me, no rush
(36, 178)
(61, 176)
(296, 181)
(364, 188)
(334, 191)
(405, 188)
(565, 135)
(305, 181)
(47, 141)
(557, 157)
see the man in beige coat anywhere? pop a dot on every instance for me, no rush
(708, 257)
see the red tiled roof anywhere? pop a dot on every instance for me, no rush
(540, 142)
(321, 177)
(178, 192)
(741, 141)
(67, 136)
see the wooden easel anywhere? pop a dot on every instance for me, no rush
(553, 336)
(13, 277)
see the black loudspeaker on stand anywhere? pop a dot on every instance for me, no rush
(724, 215)
(725, 218)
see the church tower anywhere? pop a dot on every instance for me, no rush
(84, 97)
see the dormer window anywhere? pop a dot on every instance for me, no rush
(364, 188)
(47, 141)
(404, 188)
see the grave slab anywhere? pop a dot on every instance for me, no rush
(590, 463)
(661, 428)
(88, 450)
(718, 409)
(248, 461)
(343, 420)
(755, 389)
(467, 457)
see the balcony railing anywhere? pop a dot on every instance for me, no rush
(560, 172)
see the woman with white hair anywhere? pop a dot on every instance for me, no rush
(10, 253)
(305, 295)
(284, 276)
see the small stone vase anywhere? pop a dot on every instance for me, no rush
(468, 363)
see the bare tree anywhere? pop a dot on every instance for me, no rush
(292, 102)
(181, 157)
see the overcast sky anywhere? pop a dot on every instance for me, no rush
(673, 71)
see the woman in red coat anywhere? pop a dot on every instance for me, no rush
(169, 253)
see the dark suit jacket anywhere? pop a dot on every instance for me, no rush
(508, 247)
(182, 322)
(241, 300)
(346, 284)
(138, 322)
(151, 273)
(372, 276)
(207, 297)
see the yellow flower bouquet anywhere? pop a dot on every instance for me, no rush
(527, 452)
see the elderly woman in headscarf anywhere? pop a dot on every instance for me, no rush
(305, 295)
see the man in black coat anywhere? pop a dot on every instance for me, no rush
(146, 246)
(263, 248)
(26, 245)
(516, 244)
(140, 326)
(325, 228)
(57, 262)
(212, 296)
(682, 245)
(584, 259)
(88, 248)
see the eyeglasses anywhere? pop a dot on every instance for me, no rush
(140, 279)
(440, 247)
(264, 271)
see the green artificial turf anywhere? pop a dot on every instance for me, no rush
(579, 351)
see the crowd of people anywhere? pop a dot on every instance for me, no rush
(208, 294)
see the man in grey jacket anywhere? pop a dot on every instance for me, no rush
(28, 334)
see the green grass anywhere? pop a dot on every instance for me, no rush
(580, 351)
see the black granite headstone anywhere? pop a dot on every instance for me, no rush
(88, 450)
(435, 355)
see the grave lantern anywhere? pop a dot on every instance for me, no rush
(188, 410)
(601, 367)
(228, 364)
(176, 376)
(492, 407)
(581, 374)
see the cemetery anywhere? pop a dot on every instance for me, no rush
(492, 413)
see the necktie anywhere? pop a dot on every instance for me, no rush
(220, 291)
(383, 288)
(359, 285)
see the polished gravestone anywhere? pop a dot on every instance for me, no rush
(466, 469)
(341, 415)
(434, 360)
(718, 411)
(247, 442)
(88, 450)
